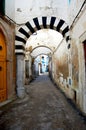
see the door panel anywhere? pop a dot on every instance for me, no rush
(2, 81)
(2, 48)
(3, 89)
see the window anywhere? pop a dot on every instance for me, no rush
(69, 1)
(2, 7)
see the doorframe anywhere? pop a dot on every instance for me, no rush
(3, 59)
(82, 80)
(5, 27)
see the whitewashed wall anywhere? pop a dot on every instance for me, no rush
(78, 35)
(74, 8)
(80, 26)
(10, 8)
(26, 10)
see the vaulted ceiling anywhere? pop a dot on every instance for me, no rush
(44, 41)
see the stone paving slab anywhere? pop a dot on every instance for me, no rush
(44, 108)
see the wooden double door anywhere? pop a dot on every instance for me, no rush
(3, 88)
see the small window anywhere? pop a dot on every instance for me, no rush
(68, 46)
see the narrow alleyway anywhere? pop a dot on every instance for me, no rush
(44, 108)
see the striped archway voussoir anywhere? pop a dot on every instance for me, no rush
(37, 23)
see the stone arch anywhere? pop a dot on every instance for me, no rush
(41, 46)
(38, 23)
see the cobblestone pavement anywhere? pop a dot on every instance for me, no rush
(44, 108)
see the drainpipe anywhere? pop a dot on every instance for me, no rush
(11, 20)
(78, 14)
(58, 46)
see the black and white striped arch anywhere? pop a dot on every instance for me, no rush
(36, 24)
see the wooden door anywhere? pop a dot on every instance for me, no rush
(3, 90)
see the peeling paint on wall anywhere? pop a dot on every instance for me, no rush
(75, 65)
(62, 61)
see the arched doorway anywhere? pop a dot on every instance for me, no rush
(3, 88)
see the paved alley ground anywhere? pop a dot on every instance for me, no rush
(44, 108)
